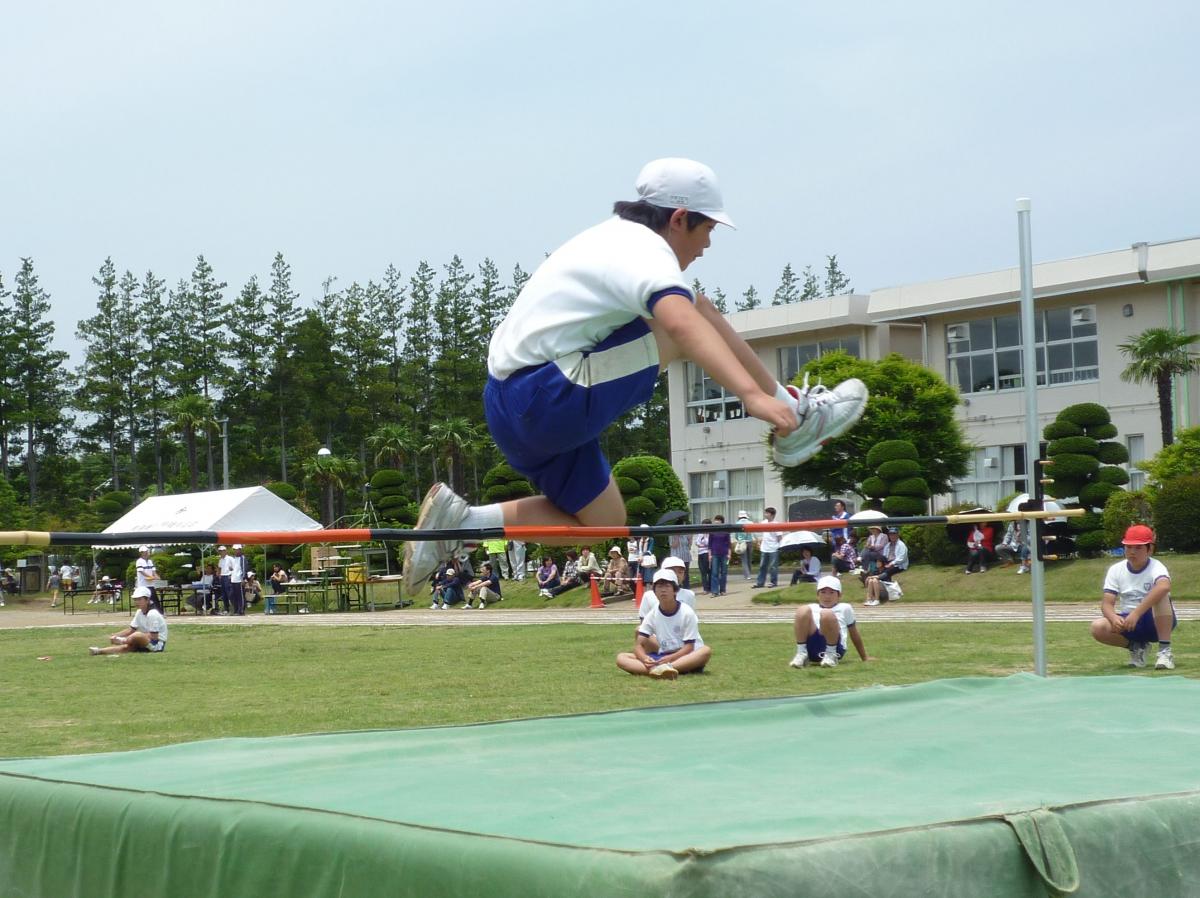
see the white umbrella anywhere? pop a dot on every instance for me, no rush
(1048, 504)
(868, 514)
(799, 538)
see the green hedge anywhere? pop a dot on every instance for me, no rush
(903, 506)
(1177, 513)
(1097, 493)
(1113, 453)
(890, 450)
(899, 469)
(1069, 464)
(1112, 474)
(1057, 430)
(386, 477)
(1077, 445)
(1085, 414)
(911, 486)
(1102, 431)
(283, 490)
(875, 486)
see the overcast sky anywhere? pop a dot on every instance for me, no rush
(352, 135)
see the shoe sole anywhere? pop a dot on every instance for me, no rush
(413, 551)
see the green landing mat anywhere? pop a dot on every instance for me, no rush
(989, 787)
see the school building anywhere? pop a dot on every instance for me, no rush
(968, 330)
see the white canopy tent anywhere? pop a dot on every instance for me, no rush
(251, 508)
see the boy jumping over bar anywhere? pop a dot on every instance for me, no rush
(586, 341)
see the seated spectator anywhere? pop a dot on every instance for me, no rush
(447, 585)
(147, 632)
(106, 590)
(845, 554)
(279, 579)
(252, 588)
(486, 588)
(547, 576)
(823, 627)
(668, 640)
(881, 591)
(895, 555)
(872, 557)
(810, 567)
(1015, 546)
(589, 564)
(202, 590)
(616, 575)
(979, 548)
(570, 577)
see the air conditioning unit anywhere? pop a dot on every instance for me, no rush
(956, 332)
(718, 484)
(989, 462)
(1083, 315)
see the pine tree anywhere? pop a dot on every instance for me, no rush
(41, 379)
(154, 367)
(212, 317)
(100, 382)
(812, 285)
(720, 302)
(836, 283)
(126, 344)
(389, 314)
(750, 299)
(454, 389)
(787, 292)
(7, 377)
(281, 305)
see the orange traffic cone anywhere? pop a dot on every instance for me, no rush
(638, 587)
(597, 602)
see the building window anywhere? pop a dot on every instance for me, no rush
(1136, 444)
(707, 400)
(996, 473)
(985, 354)
(793, 358)
(726, 493)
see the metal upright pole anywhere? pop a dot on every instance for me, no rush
(225, 452)
(1033, 469)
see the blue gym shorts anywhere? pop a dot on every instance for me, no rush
(1145, 630)
(547, 419)
(816, 645)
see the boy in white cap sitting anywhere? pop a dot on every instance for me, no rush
(147, 632)
(684, 595)
(668, 640)
(822, 628)
(586, 341)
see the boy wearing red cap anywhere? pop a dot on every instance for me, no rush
(1136, 608)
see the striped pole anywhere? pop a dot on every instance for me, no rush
(478, 534)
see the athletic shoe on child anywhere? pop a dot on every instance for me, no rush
(94, 649)
(664, 672)
(823, 415)
(442, 509)
(1166, 661)
(871, 603)
(830, 658)
(801, 660)
(1137, 654)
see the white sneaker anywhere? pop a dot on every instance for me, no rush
(1166, 661)
(823, 415)
(871, 603)
(433, 606)
(442, 509)
(94, 649)
(1137, 654)
(1022, 570)
(801, 660)
(830, 658)
(664, 672)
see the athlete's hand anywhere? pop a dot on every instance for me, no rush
(778, 415)
(1130, 621)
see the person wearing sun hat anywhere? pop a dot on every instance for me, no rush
(1136, 607)
(823, 627)
(616, 574)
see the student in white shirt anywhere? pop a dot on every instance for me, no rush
(668, 640)
(768, 547)
(823, 627)
(1136, 607)
(147, 632)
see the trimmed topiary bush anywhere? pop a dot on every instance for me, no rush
(899, 469)
(1096, 494)
(1091, 542)
(657, 488)
(1077, 445)
(1112, 474)
(1102, 432)
(903, 506)
(1112, 454)
(874, 486)
(890, 450)
(1177, 513)
(911, 486)
(284, 490)
(1069, 464)
(385, 477)
(1085, 414)
(1056, 430)
(387, 502)
(506, 484)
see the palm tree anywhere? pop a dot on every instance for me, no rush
(189, 414)
(392, 444)
(1158, 355)
(449, 439)
(329, 473)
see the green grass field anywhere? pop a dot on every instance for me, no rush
(265, 681)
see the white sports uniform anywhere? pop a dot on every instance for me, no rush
(1129, 586)
(685, 597)
(844, 612)
(672, 630)
(151, 621)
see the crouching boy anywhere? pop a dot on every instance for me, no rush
(668, 639)
(822, 628)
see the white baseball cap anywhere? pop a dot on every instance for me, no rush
(664, 574)
(237, 545)
(829, 582)
(142, 592)
(672, 561)
(143, 549)
(674, 183)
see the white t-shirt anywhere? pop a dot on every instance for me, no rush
(225, 565)
(844, 612)
(150, 622)
(672, 631)
(650, 600)
(1130, 586)
(769, 541)
(237, 568)
(65, 572)
(593, 284)
(145, 571)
